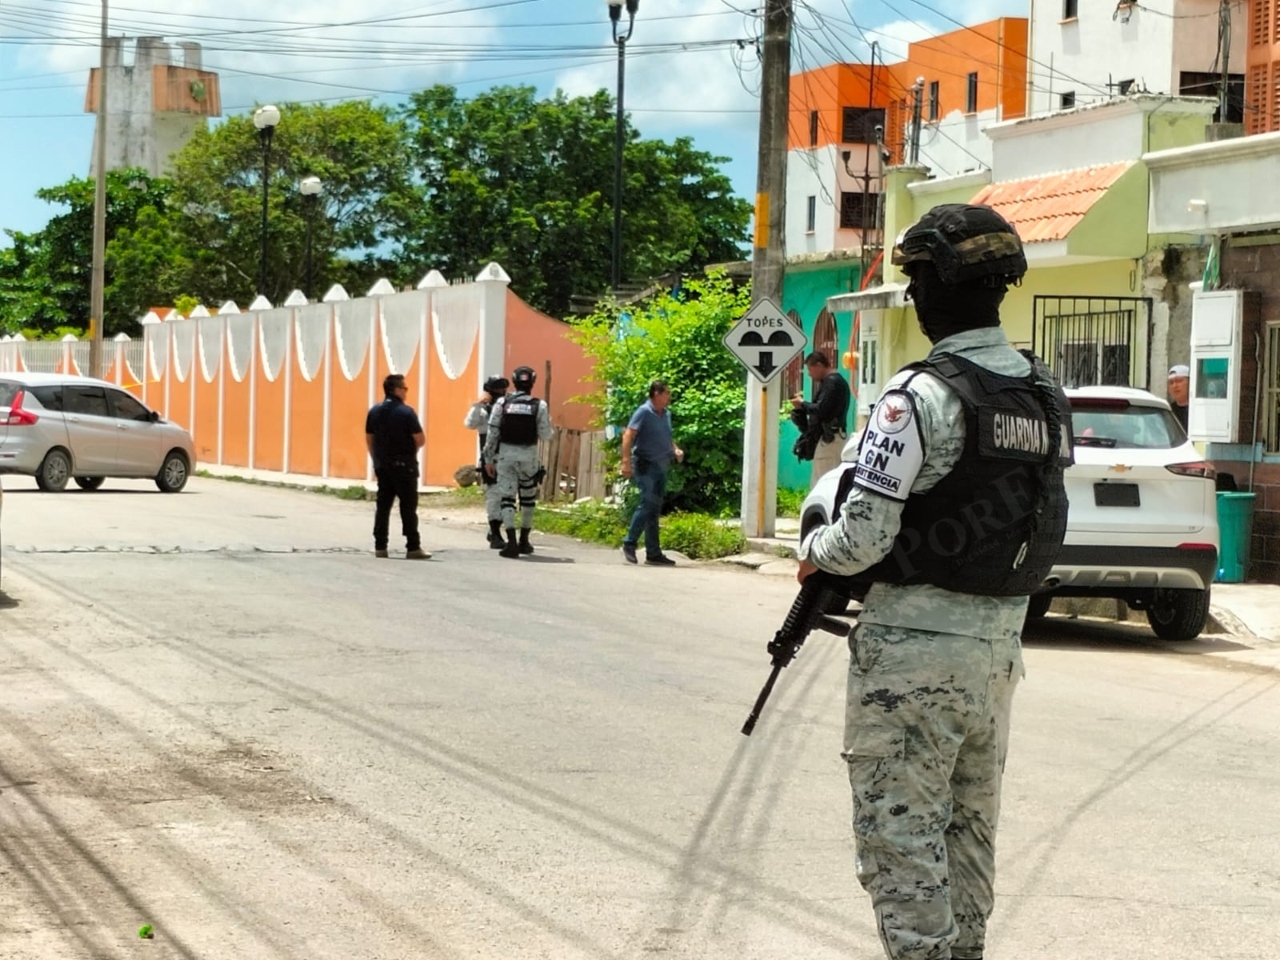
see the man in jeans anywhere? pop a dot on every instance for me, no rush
(647, 452)
(394, 436)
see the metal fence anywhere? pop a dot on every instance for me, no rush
(1091, 341)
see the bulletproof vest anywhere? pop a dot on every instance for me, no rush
(993, 525)
(519, 426)
(484, 431)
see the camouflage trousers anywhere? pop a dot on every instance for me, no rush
(492, 501)
(926, 736)
(517, 481)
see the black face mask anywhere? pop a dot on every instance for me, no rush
(946, 310)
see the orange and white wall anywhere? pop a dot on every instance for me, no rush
(287, 389)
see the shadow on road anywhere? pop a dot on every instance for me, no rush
(7, 602)
(1132, 636)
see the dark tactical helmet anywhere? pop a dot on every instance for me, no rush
(964, 242)
(524, 378)
(496, 385)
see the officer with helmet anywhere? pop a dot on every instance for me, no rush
(495, 388)
(519, 420)
(954, 514)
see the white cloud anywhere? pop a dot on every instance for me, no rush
(265, 51)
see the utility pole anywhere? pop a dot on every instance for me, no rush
(917, 113)
(768, 263)
(1224, 54)
(866, 163)
(97, 289)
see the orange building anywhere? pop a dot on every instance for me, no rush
(1262, 83)
(968, 79)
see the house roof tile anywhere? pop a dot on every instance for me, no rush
(1049, 207)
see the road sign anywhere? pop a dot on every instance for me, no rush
(765, 340)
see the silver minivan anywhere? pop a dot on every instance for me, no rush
(59, 428)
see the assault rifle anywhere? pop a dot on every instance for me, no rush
(808, 613)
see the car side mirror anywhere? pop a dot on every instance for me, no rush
(153, 417)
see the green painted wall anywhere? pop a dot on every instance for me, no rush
(1116, 226)
(805, 290)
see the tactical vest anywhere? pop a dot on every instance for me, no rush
(519, 427)
(484, 432)
(993, 526)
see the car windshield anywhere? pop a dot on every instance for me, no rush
(8, 390)
(1124, 426)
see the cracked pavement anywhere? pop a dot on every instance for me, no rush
(223, 717)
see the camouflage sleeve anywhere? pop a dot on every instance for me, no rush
(869, 522)
(476, 419)
(494, 436)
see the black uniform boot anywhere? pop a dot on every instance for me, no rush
(512, 550)
(495, 535)
(525, 545)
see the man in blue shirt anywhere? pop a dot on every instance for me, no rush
(647, 452)
(394, 435)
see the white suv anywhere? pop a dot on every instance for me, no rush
(1142, 525)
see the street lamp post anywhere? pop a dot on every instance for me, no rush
(620, 39)
(311, 188)
(265, 119)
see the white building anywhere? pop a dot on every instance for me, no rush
(1085, 51)
(154, 104)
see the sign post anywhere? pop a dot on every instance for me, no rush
(764, 341)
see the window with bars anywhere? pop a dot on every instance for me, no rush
(858, 124)
(935, 101)
(1271, 389)
(971, 94)
(811, 218)
(858, 211)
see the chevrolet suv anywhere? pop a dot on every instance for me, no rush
(1142, 525)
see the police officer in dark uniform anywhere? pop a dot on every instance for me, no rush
(394, 436)
(955, 514)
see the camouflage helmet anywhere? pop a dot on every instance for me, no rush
(964, 242)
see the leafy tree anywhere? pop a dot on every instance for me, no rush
(529, 183)
(678, 338)
(357, 149)
(45, 276)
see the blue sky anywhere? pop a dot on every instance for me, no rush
(687, 76)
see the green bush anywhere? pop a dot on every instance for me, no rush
(696, 535)
(700, 537)
(790, 502)
(677, 339)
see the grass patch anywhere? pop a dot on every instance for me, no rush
(696, 535)
(790, 502)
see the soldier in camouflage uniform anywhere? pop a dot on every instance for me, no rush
(936, 657)
(495, 388)
(516, 425)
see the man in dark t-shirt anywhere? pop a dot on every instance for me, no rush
(393, 434)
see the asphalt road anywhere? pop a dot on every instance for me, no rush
(222, 717)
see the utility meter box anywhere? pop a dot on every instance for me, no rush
(1217, 331)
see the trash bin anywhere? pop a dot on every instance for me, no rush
(1235, 527)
